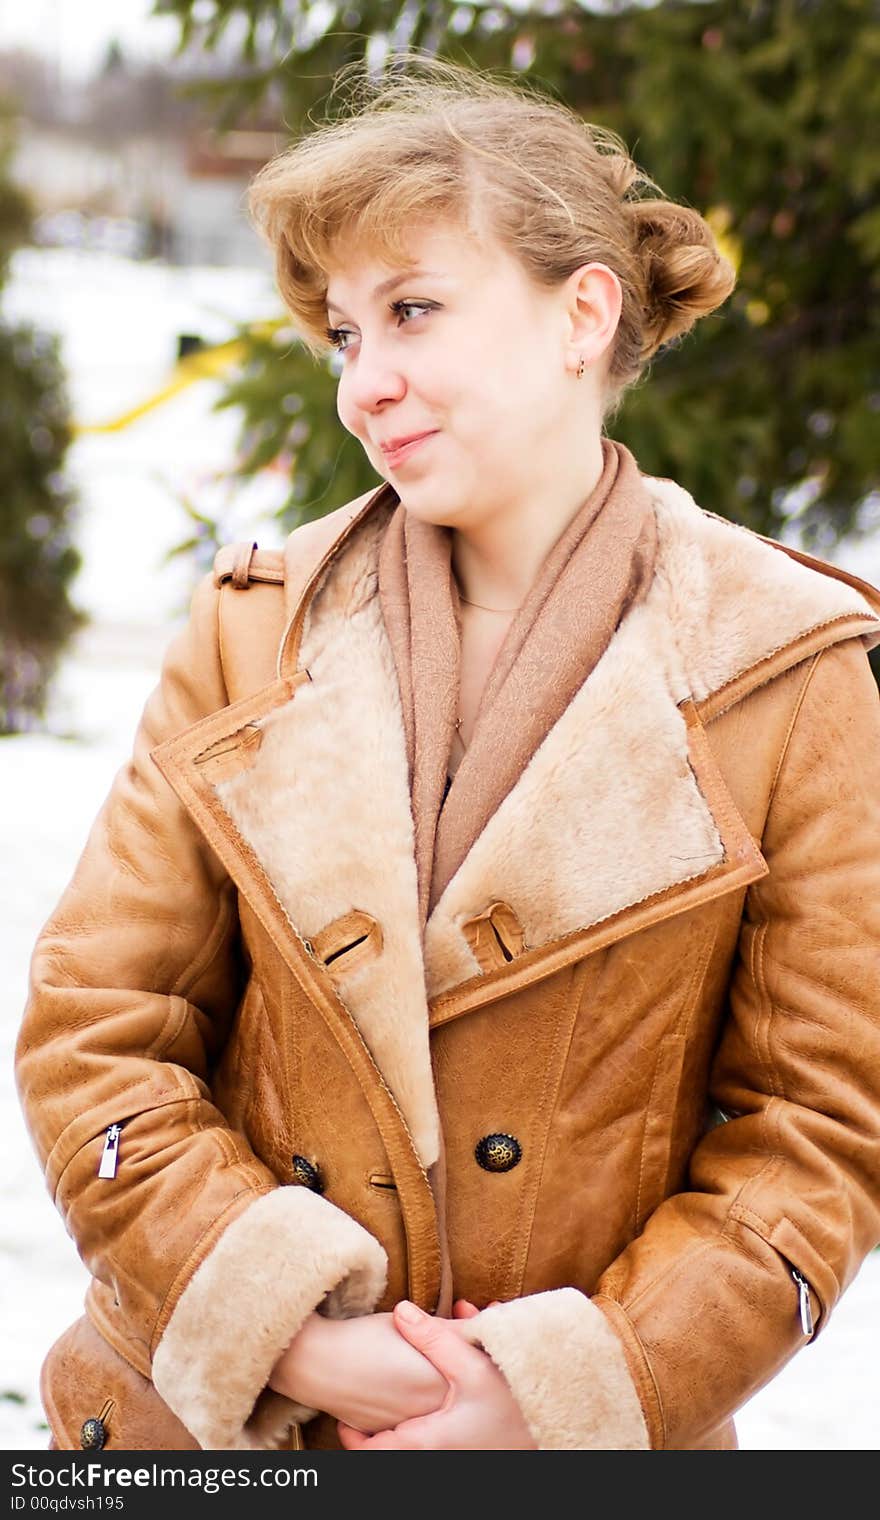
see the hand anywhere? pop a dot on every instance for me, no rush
(479, 1412)
(464, 1309)
(360, 1371)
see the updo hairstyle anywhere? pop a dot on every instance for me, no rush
(431, 141)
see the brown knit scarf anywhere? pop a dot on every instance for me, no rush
(601, 564)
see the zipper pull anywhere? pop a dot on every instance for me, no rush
(806, 1312)
(110, 1153)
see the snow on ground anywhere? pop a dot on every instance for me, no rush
(120, 323)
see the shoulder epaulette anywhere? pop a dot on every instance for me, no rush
(242, 563)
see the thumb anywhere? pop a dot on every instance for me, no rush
(436, 1340)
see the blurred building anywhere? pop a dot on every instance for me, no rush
(129, 164)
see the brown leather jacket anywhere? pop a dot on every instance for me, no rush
(654, 1048)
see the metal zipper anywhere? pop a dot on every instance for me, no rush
(110, 1153)
(806, 1312)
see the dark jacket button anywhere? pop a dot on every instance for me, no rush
(498, 1153)
(92, 1435)
(307, 1175)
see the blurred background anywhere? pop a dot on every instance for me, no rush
(155, 403)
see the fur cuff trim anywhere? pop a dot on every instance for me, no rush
(272, 1266)
(567, 1371)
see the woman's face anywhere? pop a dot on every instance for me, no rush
(463, 346)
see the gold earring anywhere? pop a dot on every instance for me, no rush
(580, 368)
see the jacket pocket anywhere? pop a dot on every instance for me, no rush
(813, 1286)
(95, 1400)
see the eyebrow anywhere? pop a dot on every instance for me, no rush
(396, 279)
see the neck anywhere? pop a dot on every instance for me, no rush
(495, 562)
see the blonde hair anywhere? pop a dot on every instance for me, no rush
(431, 141)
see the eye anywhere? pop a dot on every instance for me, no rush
(337, 336)
(417, 306)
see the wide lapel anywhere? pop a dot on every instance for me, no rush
(621, 817)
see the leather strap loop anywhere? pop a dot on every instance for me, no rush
(241, 565)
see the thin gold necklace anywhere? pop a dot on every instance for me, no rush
(485, 609)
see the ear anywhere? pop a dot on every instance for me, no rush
(593, 301)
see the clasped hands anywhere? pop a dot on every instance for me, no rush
(403, 1381)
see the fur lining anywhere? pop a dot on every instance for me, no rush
(567, 1371)
(270, 1269)
(326, 807)
(730, 598)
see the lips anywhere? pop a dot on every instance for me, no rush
(395, 445)
(396, 458)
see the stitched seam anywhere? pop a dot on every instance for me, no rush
(646, 1384)
(208, 952)
(154, 1107)
(578, 943)
(697, 1248)
(644, 1145)
(765, 1026)
(678, 1032)
(222, 591)
(811, 1247)
(763, 1049)
(783, 753)
(711, 784)
(766, 1229)
(287, 1023)
(188, 1271)
(252, 1016)
(764, 1232)
(708, 702)
(178, 1012)
(181, 1096)
(546, 1105)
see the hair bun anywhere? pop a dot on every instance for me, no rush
(685, 274)
(622, 173)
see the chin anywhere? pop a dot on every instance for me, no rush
(442, 516)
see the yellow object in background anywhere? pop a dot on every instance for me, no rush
(720, 219)
(204, 364)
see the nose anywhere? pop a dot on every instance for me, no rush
(372, 380)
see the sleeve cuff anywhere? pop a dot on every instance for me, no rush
(567, 1371)
(277, 1262)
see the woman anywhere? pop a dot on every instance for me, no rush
(487, 922)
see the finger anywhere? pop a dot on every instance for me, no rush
(464, 1309)
(351, 1439)
(437, 1340)
(355, 1440)
(467, 1330)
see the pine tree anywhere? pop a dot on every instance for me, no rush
(37, 557)
(760, 113)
